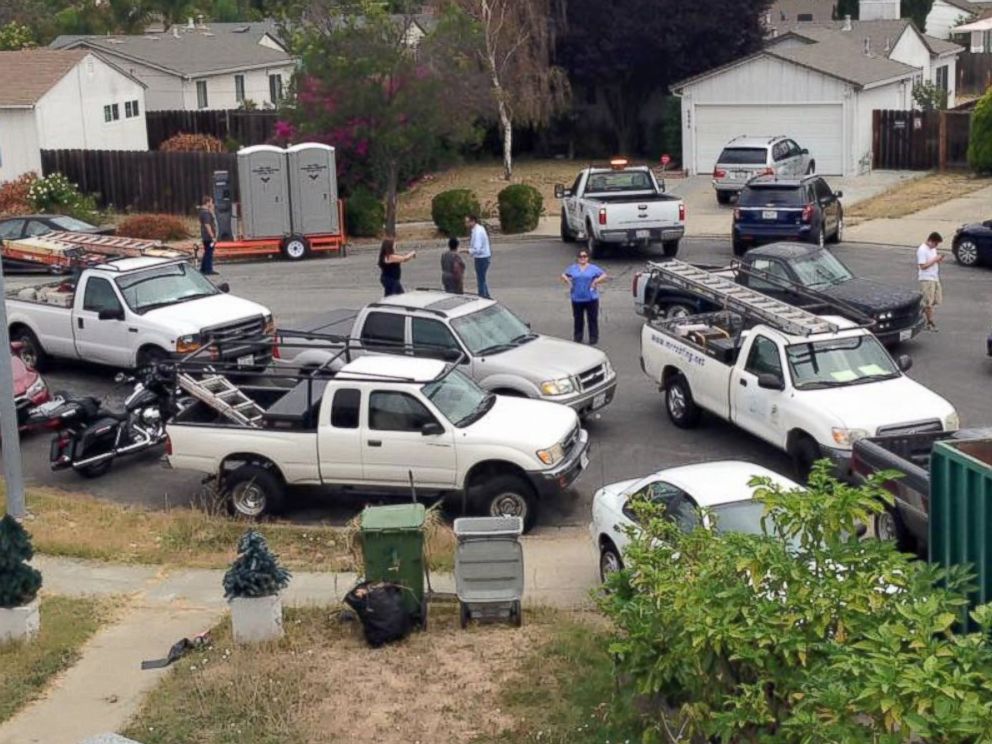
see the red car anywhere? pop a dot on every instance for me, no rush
(30, 390)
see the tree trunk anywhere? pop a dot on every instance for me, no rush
(506, 125)
(392, 183)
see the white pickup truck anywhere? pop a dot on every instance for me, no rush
(135, 311)
(810, 395)
(620, 206)
(380, 425)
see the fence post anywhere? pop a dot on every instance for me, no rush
(942, 141)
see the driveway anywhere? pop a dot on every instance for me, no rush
(706, 218)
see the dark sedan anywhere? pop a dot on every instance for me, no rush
(32, 225)
(973, 244)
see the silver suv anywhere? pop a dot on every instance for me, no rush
(745, 157)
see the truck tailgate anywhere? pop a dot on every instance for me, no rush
(657, 211)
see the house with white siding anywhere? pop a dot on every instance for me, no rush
(945, 15)
(195, 67)
(56, 99)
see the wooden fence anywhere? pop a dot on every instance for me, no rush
(974, 72)
(244, 127)
(172, 182)
(920, 140)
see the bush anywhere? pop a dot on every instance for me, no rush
(450, 208)
(364, 214)
(164, 227)
(183, 142)
(19, 582)
(56, 193)
(980, 145)
(520, 208)
(14, 195)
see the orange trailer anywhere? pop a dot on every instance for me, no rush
(291, 247)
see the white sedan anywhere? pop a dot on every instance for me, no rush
(721, 487)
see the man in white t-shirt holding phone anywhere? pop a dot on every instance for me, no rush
(928, 261)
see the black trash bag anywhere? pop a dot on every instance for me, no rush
(380, 608)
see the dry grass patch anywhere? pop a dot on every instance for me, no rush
(66, 624)
(912, 196)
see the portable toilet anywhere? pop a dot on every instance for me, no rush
(313, 188)
(264, 188)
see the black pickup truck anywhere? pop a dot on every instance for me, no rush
(796, 273)
(909, 455)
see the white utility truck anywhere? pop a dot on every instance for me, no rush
(807, 384)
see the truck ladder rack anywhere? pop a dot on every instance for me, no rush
(742, 300)
(112, 245)
(225, 398)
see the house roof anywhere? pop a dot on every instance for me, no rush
(30, 73)
(963, 5)
(192, 53)
(882, 35)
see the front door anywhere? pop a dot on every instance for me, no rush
(394, 444)
(754, 408)
(108, 341)
(339, 442)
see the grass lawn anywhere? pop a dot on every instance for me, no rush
(66, 624)
(549, 681)
(914, 195)
(79, 526)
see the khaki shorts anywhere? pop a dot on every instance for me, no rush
(932, 293)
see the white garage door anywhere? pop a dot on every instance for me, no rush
(817, 127)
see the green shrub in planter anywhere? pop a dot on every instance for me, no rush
(256, 571)
(519, 208)
(365, 214)
(450, 208)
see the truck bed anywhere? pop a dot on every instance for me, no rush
(58, 294)
(292, 408)
(717, 335)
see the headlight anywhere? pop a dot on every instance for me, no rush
(847, 437)
(564, 386)
(608, 369)
(36, 387)
(270, 325)
(952, 422)
(551, 455)
(188, 343)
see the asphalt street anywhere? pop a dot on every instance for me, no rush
(631, 437)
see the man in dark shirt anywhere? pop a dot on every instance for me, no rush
(452, 269)
(208, 234)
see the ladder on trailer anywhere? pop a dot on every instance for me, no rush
(742, 300)
(112, 245)
(220, 394)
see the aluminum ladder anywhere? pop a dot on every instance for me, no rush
(742, 300)
(113, 245)
(220, 394)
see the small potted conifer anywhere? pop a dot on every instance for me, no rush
(251, 586)
(19, 583)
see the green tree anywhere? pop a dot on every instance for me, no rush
(256, 571)
(980, 139)
(19, 582)
(929, 97)
(14, 36)
(805, 633)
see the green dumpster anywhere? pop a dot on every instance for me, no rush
(393, 550)
(960, 521)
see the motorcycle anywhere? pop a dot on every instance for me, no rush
(93, 436)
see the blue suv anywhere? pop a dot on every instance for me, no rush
(770, 209)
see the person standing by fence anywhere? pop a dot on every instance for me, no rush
(208, 234)
(389, 266)
(481, 252)
(582, 279)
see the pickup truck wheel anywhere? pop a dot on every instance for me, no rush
(151, 356)
(723, 197)
(510, 496)
(682, 409)
(254, 492)
(804, 453)
(567, 236)
(32, 353)
(889, 526)
(670, 248)
(595, 248)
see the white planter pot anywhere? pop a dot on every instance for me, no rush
(257, 619)
(19, 623)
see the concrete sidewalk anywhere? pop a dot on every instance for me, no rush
(105, 688)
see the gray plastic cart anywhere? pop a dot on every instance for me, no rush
(489, 568)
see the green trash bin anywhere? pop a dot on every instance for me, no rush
(393, 550)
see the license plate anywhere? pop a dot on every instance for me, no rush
(599, 401)
(583, 461)
(246, 361)
(643, 233)
(769, 214)
(739, 175)
(906, 335)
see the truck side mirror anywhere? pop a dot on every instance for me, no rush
(838, 194)
(110, 314)
(904, 362)
(768, 381)
(561, 192)
(431, 429)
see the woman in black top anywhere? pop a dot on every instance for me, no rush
(389, 266)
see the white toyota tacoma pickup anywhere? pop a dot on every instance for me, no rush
(136, 311)
(380, 425)
(620, 206)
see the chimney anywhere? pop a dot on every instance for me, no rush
(867, 45)
(847, 23)
(888, 46)
(879, 10)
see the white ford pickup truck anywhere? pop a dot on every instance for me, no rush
(378, 424)
(135, 311)
(810, 395)
(620, 206)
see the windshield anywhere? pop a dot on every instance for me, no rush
(457, 397)
(788, 196)
(743, 156)
(491, 330)
(847, 361)
(821, 269)
(164, 285)
(619, 181)
(64, 222)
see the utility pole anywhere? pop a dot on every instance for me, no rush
(8, 417)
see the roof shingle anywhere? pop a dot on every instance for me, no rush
(30, 73)
(846, 61)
